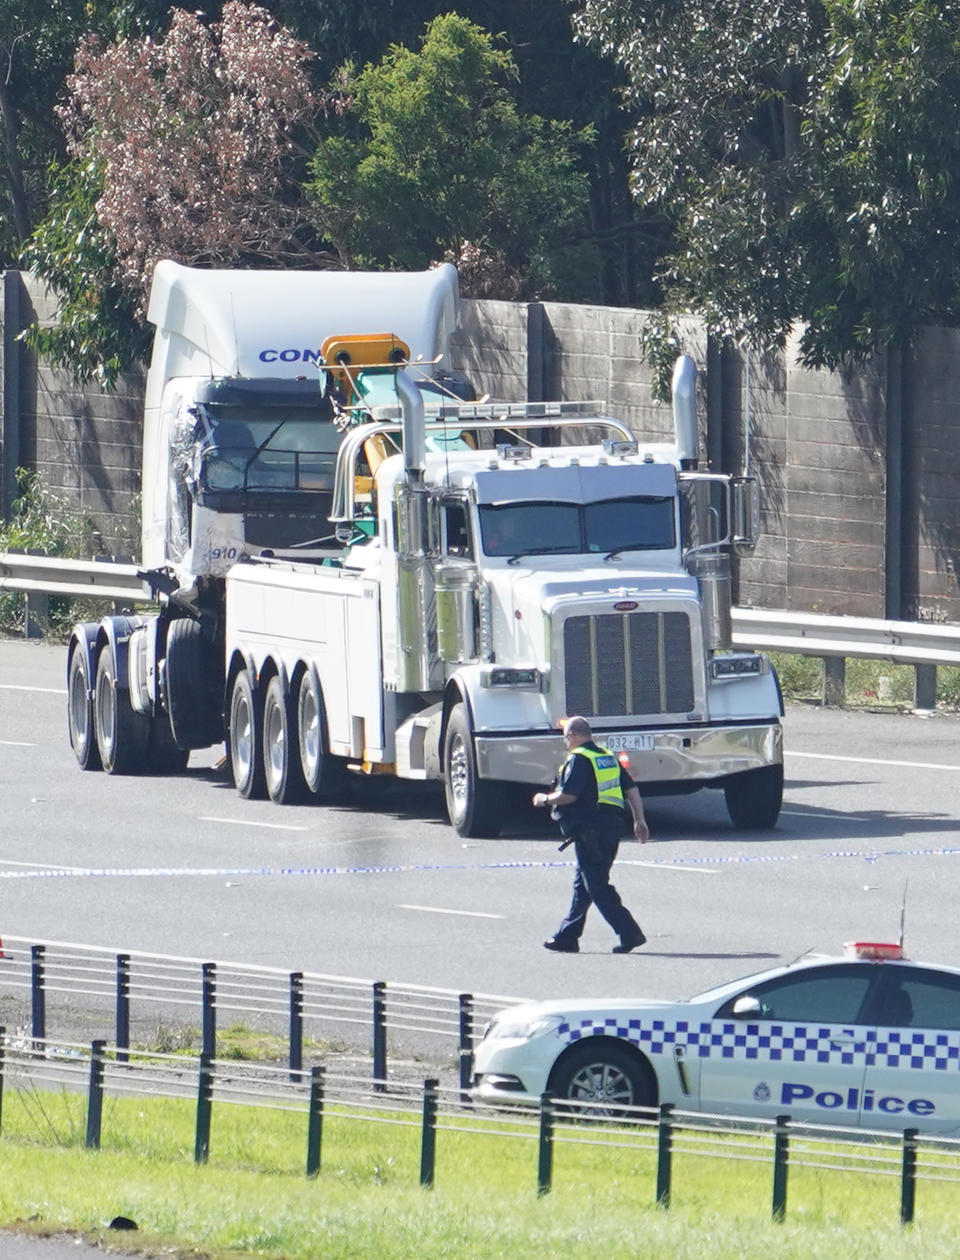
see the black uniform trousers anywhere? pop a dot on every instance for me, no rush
(596, 848)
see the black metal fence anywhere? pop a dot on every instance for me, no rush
(115, 989)
(669, 1139)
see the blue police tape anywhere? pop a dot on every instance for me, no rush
(67, 872)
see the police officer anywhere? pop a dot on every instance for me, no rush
(588, 803)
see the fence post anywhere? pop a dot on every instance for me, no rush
(380, 1036)
(664, 1154)
(924, 686)
(781, 1156)
(123, 1007)
(545, 1156)
(908, 1177)
(296, 1024)
(95, 1095)
(38, 999)
(834, 681)
(201, 1146)
(315, 1121)
(3, 1047)
(428, 1137)
(466, 1045)
(209, 1000)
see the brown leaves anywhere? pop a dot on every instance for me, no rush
(193, 134)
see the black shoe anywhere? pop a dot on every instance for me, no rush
(561, 947)
(632, 942)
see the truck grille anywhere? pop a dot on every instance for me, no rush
(623, 664)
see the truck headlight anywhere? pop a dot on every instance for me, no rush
(736, 666)
(520, 679)
(520, 1028)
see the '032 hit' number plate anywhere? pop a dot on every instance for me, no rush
(634, 742)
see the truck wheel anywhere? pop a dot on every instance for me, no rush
(123, 735)
(83, 739)
(474, 805)
(281, 753)
(324, 774)
(192, 686)
(246, 725)
(164, 757)
(754, 797)
(605, 1076)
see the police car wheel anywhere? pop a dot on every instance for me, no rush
(604, 1078)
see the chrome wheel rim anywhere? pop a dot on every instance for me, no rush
(241, 736)
(309, 732)
(80, 715)
(458, 776)
(602, 1083)
(276, 744)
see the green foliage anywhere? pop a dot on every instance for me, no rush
(40, 522)
(434, 153)
(251, 1198)
(96, 334)
(807, 156)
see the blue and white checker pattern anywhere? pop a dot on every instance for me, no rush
(779, 1043)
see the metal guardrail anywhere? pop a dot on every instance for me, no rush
(56, 575)
(833, 639)
(906, 642)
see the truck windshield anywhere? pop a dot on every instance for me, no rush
(637, 523)
(265, 449)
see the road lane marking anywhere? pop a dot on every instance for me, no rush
(813, 812)
(471, 914)
(15, 743)
(872, 761)
(666, 866)
(252, 822)
(49, 691)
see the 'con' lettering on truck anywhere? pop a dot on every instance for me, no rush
(476, 572)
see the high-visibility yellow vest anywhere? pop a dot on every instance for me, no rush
(606, 770)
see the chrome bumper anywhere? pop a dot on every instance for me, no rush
(677, 755)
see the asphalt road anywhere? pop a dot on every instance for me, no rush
(383, 888)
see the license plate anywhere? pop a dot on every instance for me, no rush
(628, 743)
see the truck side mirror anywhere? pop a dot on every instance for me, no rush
(745, 511)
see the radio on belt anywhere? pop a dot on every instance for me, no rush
(876, 950)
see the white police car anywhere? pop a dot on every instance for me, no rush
(870, 1039)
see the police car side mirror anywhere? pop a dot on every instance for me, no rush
(745, 1006)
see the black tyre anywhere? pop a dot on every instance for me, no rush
(324, 775)
(246, 738)
(754, 798)
(603, 1077)
(83, 739)
(163, 755)
(281, 747)
(475, 806)
(193, 686)
(123, 735)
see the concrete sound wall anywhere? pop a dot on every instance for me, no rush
(859, 471)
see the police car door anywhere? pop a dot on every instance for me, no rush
(913, 1068)
(792, 1046)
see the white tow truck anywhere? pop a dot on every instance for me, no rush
(481, 571)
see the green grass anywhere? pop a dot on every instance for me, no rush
(252, 1199)
(869, 683)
